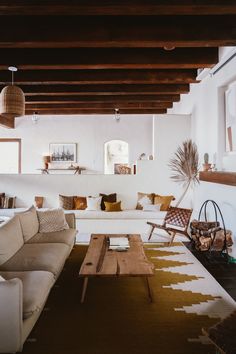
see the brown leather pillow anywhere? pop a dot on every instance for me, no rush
(66, 202)
(110, 198)
(80, 203)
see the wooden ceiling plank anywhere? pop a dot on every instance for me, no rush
(131, 7)
(91, 77)
(53, 90)
(102, 99)
(131, 32)
(104, 58)
(106, 105)
(97, 111)
(7, 122)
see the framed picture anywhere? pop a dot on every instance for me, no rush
(62, 152)
(230, 118)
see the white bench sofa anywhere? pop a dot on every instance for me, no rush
(126, 221)
(29, 266)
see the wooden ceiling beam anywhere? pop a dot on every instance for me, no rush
(104, 58)
(68, 111)
(121, 105)
(104, 7)
(90, 77)
(7, 122)
(65, 90)
(101, 99)
(111, 32)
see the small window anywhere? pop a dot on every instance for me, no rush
(10, 155)
(116, 152)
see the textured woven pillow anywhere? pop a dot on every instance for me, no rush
(52, 220)
(164, 200)
(111, 198)
(66, 202)
(113, 206)
(80, 203)
(93, 203)
(2, 196)
(144, 199)
(29, 223)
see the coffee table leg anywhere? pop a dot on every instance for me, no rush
(84, 289)
(149, 289)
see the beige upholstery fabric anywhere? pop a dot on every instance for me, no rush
(36, 287)
(64, 236)
(41, 256)
(52, 220)
(70, 219)
(29, 223)
(11, 239)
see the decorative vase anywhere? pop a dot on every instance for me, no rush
(206, 167)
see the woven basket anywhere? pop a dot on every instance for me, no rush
(12, 101)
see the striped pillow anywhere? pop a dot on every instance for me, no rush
(52, 220)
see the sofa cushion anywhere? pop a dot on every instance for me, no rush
(80, 203)
(144, 199)
(111, 207)
(2, 279)
(66, 202)
(64, 236)
(11, 238)
(29, 223)
(111, 198)
(41, 256)
(36, 287)
(52, 220)
(93, 203)
(164, 200)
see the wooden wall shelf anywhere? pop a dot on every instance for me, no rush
(222, 177)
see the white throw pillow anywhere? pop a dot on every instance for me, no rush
(52, 220)
(152, 207)
(1, 278)
(29, 223)
(93, 203)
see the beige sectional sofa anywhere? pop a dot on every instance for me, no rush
(30, 263)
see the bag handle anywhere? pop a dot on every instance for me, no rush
(216, 209)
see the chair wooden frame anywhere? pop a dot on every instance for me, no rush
(175, 222)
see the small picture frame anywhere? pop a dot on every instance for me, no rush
(63, 152)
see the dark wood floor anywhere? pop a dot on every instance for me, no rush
(216, 264)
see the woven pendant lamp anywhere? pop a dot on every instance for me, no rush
(12, 99)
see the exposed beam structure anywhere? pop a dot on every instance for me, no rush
(75, 111)
(116, 7)
(67, 90)
(89, 77)
(112, 32)
(7, 122)
(108, 58)
(101, 99)
(120, 105)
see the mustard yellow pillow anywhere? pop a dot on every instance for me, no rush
(113, 206)
(164, 200)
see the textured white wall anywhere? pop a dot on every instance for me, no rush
(89, 132)
(206, 104)
(152, 176)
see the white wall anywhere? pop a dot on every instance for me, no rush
(152, 176)
(89, 132)
(206, 104)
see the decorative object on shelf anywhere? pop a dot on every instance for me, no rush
(63, 152)
(122, 169)
(210, 235)
(185, 166)
(46, 161)
(12, 99)
(142, 156)
(150, 157)
(38, 202)
(206, 166)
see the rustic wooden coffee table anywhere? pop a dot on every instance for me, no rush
(102, 262)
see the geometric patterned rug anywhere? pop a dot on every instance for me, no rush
(116, 317)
